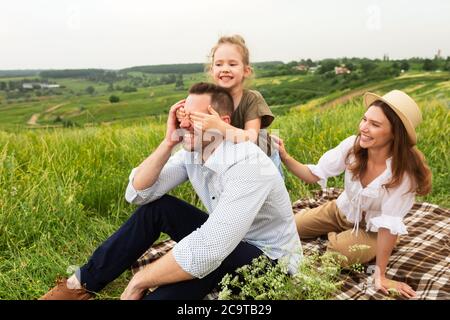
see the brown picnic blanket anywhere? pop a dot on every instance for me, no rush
(421, 258)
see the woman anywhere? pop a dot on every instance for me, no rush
(383, 173)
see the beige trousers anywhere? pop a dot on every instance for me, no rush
(328, 219)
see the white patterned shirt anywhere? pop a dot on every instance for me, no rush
(245, 197)
(384, 208)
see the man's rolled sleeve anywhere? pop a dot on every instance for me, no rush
(173, 173)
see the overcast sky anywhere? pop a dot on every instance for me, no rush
(41, 34)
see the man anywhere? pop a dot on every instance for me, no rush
(249, 213)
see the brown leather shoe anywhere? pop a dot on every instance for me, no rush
(61, 292)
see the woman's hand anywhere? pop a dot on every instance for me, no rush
(279, 144)
(385, 243)
(385, 285)
(206, 121)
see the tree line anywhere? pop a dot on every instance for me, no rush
(372, 68)
(184, 68)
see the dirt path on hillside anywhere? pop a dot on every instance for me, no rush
(344, 98)
(51, 109)
(34, 118)
(352, 94)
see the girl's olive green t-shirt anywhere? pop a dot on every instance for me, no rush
(253, 106)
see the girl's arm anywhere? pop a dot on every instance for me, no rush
(385, 243)
(250, 132)
(213, 121)
(297, 168)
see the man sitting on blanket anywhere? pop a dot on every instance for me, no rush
(249, 213)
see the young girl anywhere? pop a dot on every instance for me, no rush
(229, 68)
(383, 172)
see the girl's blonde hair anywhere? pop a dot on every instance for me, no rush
(238, 41)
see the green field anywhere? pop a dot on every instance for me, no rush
(73, 106)
(62, 190)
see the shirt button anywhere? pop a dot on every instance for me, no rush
(214, 198)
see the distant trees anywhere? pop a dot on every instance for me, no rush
(404, 65)
(360, 68)
(97, 75)
(429, 65)
(368, 65)
(167, 79)
(309, 63)
(292, 64)
(327, 65)
(349, 64)
(90, 90)
(179, 84)
(71, 73)
(12, 85)
(276, 68)
(363, 67)
(114, 99)
(384, 71)
(129, 89)
(185, 68)
(447, 64)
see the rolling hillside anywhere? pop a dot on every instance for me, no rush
(62, 190)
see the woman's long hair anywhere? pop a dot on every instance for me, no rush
(406, 158)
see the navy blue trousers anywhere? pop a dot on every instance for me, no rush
(173, 217)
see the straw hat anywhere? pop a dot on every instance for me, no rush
(404, 106)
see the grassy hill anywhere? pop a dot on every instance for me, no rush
(62, 191)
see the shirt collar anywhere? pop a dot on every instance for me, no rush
(372, 189)
(386, 175)
(389, 163)
(227, 154)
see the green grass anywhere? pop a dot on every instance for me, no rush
(62, 190)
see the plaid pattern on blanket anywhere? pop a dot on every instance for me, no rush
(421, 258)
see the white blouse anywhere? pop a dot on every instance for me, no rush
(384, 208)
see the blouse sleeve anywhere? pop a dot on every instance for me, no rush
(396, 203)
(332, 163)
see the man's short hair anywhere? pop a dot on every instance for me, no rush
(221, 99)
